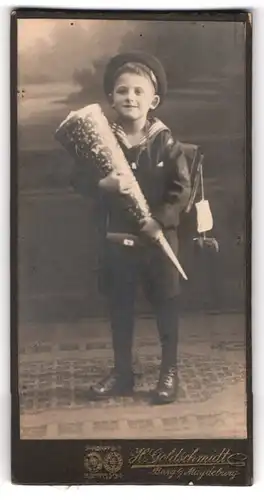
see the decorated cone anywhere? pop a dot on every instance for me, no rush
(87, 135)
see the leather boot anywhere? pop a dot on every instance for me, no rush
(113, 385)
(166, 390)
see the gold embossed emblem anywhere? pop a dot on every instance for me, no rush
(113, 461)
(93, 462)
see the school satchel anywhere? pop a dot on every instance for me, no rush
(197, 218)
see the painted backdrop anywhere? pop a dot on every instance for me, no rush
(60, 68)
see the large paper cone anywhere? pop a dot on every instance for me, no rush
(168, 251)
(87, 135)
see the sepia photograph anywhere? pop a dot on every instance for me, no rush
(132, 183)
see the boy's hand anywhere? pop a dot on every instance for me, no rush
(151, 229)
(115, 183)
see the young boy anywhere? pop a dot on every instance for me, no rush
(135, 84)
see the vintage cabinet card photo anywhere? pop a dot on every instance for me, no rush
(131, 247)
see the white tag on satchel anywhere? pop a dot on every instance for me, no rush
(204, 216)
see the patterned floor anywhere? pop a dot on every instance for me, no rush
(56, 372)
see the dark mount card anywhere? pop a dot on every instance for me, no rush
(179, 409)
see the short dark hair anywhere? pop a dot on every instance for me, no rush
(137, 62)
(138, 69)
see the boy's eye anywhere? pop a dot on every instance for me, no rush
(139, 91)
(125, 90)
(121, 90)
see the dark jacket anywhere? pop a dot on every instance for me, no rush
(161, 169)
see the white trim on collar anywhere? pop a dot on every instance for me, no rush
(154, 128)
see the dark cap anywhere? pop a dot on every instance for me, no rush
(148, 60)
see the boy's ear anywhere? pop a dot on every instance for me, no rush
(155, 102)
(110, 99)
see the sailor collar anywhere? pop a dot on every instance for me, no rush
(152, 129)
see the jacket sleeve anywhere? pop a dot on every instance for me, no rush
(177, 184)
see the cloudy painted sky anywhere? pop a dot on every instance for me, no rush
(53, 49)
(51, 53)
(61, 61)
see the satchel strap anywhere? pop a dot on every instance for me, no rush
(196, 172)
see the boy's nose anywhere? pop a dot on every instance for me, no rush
(130, 95)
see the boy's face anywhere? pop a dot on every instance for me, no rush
(133, 96)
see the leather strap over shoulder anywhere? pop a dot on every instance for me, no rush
(194, 158)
